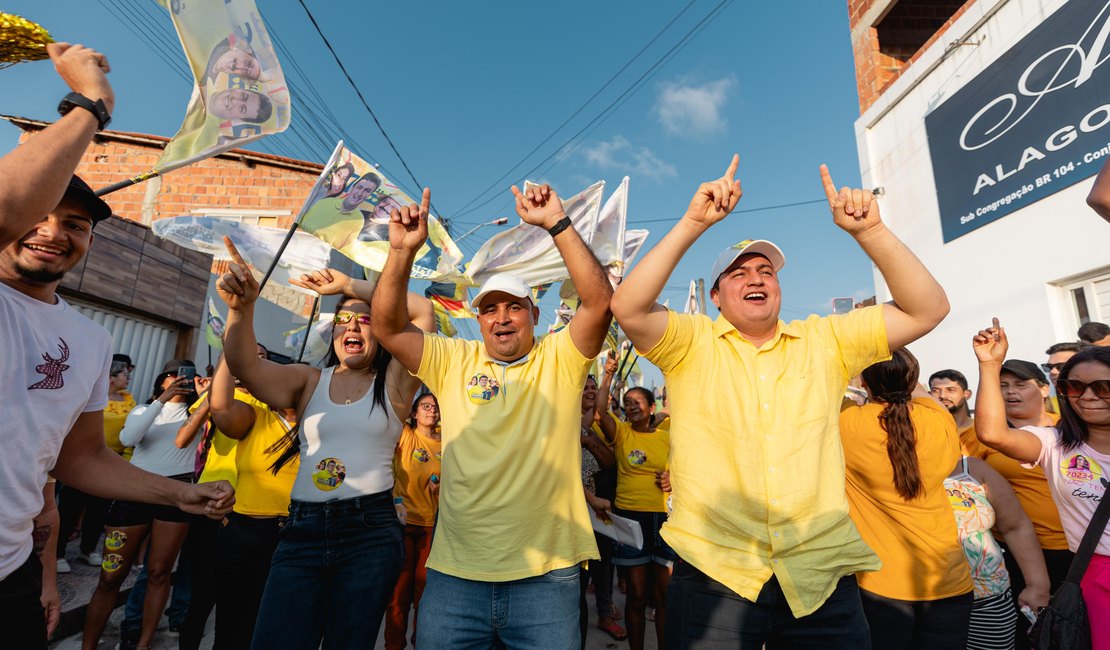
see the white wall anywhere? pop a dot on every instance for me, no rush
(1006, 268)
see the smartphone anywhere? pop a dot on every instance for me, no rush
(188, 372)
(1029, 613)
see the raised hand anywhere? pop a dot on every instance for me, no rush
(237, 288)
(539, 206)
(714, 200)
(326, 282)
(408, 227)
(991, 344)
(611, 364)
(855, 211)
(83, 69)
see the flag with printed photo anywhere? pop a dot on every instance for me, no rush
(240, 93)
(349, 208)
(449, 300)
(319, 338)
(527, 252)
(214, 327)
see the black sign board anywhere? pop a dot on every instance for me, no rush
(1034, 122)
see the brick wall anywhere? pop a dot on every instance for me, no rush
(889, 35)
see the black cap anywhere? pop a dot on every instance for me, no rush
(80, 191)
(1024, 370)
(172, 366)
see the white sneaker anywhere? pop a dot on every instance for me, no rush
(63, 566)
(92, 559)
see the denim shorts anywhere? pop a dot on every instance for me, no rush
(655, 548)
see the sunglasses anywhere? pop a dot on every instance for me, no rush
(1049, 367)
(1076, 388)
(344, 317)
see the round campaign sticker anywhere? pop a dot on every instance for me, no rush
(329, 474)
(481, 389)
(637, 457)
(111, 562)
(1078, 468)
(420, 455)
(115, 540)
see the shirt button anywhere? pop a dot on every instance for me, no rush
(771, 469)
(766, 405)
(775, 561)
(776, 534)
(775, 501)
(763, 376)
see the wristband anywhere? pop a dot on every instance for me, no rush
(398, 501)
(97, 108)
(559, 227)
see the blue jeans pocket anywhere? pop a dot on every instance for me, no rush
(569, 574)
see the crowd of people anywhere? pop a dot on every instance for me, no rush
(445, 485)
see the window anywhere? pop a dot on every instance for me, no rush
(909, 24)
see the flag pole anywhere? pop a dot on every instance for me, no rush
(277, 256)
(308, 327)
(134, 180)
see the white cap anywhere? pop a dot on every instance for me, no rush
(757, 246)
(504, 282)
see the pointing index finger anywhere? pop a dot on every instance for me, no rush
(234, 252)
(730, 174)
(994, 322)
(827, 182)
(426, 200)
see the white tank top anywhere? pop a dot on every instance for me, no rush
(346, 449)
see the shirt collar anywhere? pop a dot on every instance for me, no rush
(722, 327)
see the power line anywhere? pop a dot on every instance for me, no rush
(365, 105)
(605, 85)
(759, 209)
(636, 85)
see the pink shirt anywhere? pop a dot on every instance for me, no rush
(1078, 479)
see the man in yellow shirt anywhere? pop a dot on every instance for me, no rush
(760, 520)
(337, 220)
(513, 527)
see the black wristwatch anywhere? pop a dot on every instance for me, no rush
(97, 108)
(560, 226)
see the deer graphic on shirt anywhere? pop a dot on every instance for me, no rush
(53, 369)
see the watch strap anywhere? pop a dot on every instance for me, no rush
(559, 226)
(97, 108)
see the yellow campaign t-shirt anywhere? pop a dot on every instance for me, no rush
(917, 540)
(639, 457)
(326, 220)
(259, 492)
(757, 467)
(219, 465)
(115, 414)
(511, 502)
(417, 459)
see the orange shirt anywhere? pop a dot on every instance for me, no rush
(1031, 488)
(416, 460)
(917, 540)
(970, 445)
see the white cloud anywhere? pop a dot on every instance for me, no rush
(621, 155)
(686, 108)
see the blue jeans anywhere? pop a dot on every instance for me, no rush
(539, 613)
(332, 575)
(178, 607)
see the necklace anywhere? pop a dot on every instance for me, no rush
(358, 387)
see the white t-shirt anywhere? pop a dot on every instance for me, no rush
(346, 449)
(53, 367)
(1078, 478)
(152, 430)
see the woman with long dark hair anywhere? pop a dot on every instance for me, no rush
(416, 466)
(1082, 432)
(898, 450)
(151, 429)
(341, 548)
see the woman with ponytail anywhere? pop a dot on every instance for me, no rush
(898, 449)
(340, 550)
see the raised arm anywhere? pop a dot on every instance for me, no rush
(991, 426)
(919, 302)
(634, 303)
(273, 383)
(540, 206)
(34, 175)
(1017, 530)
(390, 320)
(193, 425)
(1099, 198)
(232, 417)
(605, 420)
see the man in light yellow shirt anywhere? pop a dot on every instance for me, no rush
(513, 527)
(760, 523)
(337, 220)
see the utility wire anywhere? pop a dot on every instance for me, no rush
(759, 209)
(365, 105)
(605, 85)
(636, 85)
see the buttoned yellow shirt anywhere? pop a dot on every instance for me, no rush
(757, 466)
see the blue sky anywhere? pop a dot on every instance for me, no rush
(465, 90)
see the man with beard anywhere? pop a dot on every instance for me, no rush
(949, 387)
(54, 362)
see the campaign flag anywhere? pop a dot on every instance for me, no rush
(240, 93)
(319, 338)
(449, 301)
(607, 240)
(349, 208)
(692, 304)
(539, 291)
(214, 327)
(527, 252)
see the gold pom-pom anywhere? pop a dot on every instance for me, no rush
(21, 40)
